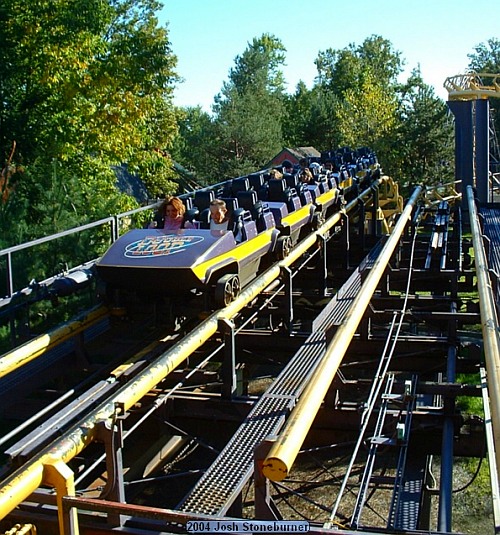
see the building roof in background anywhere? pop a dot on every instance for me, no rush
(294, 155)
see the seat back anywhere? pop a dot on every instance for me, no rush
(231, 204)
(304, 194)
(247, 199)
(276, 191)
(242, 225)
(264, 217)
(191, 215)
(292, 180)
(256, 181)
(202, 199)
(239, 184)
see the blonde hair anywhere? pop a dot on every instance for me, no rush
(274, 173)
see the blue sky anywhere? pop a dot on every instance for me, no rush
(207, 35)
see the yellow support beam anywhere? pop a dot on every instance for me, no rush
(281, 457)
(489, 322)
(472, 86)
(38, 346)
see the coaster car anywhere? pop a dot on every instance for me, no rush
(269, 216)
(162, 262)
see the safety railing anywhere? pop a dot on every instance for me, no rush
(115, 223)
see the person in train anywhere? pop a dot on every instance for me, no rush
(306, 176)
(315, 169)
(219, 218)
(274, 173)
(287, 166)
(329, 166)
(170, 216)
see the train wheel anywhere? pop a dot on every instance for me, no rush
(227, 290)
(283, 247)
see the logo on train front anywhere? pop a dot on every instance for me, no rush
(153, 246)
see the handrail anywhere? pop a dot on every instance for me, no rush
(472, 86)
(489, 322)
(112, 220)
(281, 457)
(26, 479)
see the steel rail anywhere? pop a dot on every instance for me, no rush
(285, 449)
(489, 322)
(38, 346)
(24, 481)
(379, 378)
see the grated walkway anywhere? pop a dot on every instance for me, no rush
(221, 484)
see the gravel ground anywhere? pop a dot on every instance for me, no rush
(314, 483)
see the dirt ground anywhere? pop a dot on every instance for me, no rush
(312, 489)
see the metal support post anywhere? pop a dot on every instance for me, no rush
(265, 508)
(446, 479)
(365, 325)
(229, 382)
(482, 149)
(286, 274)
(62, 478)
(323, 266)
(344, 220)
(464, 143)
(361, 224)
(376, 230)
(424, 517)
(111, 434)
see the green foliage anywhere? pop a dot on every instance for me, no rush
(366, 115)
(88, 86)
(249, 109)
(310, 118)
(361, 84)
(486, 57)
(195, 146)
(424, 137)
(245, 130)
(470, 405)
(375, 60)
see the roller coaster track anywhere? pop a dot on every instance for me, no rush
(318, 398)
(471, 86)
(76, 439)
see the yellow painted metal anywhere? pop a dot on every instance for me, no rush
(280, 459)
(61, 477)
(24, 481)
(489, 323)
(39, 345)
(22, 529)
(473, 86)
(241, 251)
(327, 197)
(296, 216)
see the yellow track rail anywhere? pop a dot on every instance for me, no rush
(473, 86)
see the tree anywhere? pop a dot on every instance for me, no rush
(486, 57)
(343, 70)
(424, 147)
(310, 118)
(87, 85)
(362, 82)
(366, 116)
(195, 145)
(249, 109)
